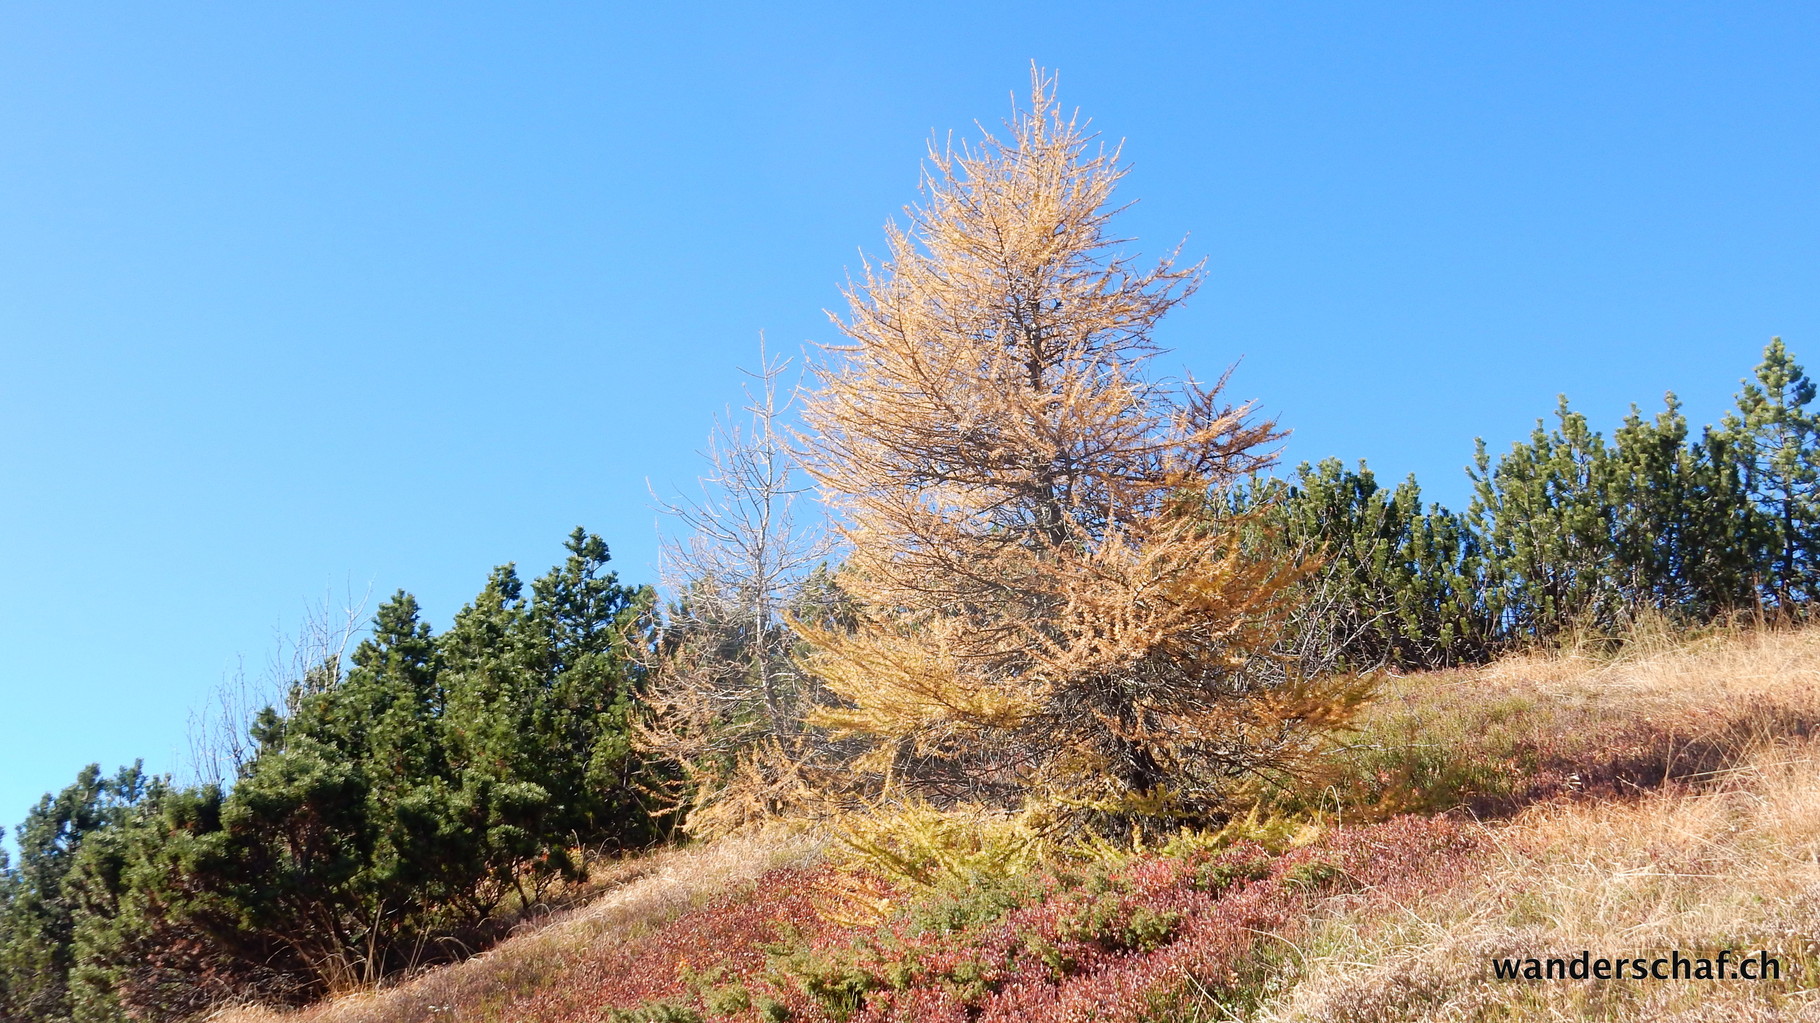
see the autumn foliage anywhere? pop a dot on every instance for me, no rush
(1046, 605)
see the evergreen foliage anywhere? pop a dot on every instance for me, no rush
(1682, 515)
(393, 814)
(1773, 440)
(1543, 512)
(1399, 583)
(1567, 531)
(39, 903)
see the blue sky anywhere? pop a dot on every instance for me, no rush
(379, 295)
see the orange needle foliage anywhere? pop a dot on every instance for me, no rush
(1047, 604)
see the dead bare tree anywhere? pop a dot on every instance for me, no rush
(727, 697)
(300, 662)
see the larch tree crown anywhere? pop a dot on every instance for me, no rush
(1049, 604)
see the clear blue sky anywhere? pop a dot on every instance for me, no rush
(384, 294)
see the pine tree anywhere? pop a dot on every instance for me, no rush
(1682, 519)
(1398, 583)
(390, 812)
(1582, 533)
(585, 628)
(1546, 519)
(39, 908)
(1775, 439)
(1043, 606)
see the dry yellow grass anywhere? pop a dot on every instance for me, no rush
(1730, 860)
(1667, 706)
(1662, 668)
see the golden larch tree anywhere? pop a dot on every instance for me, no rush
(1048, 602)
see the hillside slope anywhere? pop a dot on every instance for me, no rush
(1666, 799)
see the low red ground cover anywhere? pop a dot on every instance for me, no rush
(1151, 937)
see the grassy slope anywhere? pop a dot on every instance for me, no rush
(1730, 856)
(1667, 798)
